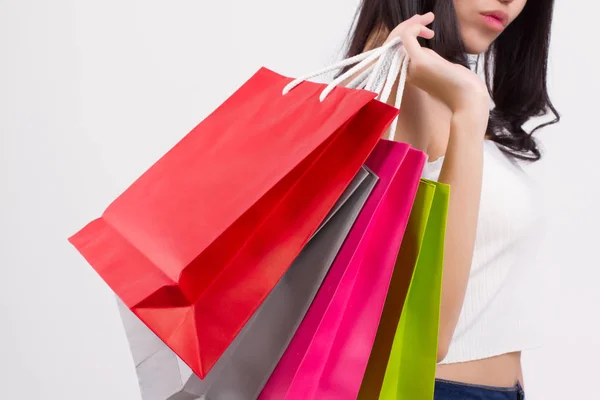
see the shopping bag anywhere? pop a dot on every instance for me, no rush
(329, 353)
(403, 359)
(248, 362)
(411, 369)
(217, 221)
(394, 303)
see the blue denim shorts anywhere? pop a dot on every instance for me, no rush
(448, 390)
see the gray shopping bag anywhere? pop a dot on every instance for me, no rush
(246, 365)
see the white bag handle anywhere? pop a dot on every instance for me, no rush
(399, 66)
(362, 59)
(360, 82)
(380, 77)
(380, 73)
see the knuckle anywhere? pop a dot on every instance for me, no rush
(409, 22)
(409, 29)
(416, 27)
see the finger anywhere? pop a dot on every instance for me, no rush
(409, 38)
(424, 19)
(426, 33)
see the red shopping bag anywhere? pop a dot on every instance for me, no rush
(199, 240)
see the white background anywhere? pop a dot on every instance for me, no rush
(93, 92)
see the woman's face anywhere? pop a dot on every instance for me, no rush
(482, 21)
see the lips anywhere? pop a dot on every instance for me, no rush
(500, 16)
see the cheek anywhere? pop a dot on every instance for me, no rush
(462, 8)
(522, 4)
(476, 38)
(519, 6)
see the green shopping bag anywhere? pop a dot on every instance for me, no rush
(403, 361)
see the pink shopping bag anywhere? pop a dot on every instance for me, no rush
(329, 353)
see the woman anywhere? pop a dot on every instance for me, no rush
(487, 318)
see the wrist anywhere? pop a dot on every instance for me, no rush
(470, 122)
(473, 97)
(474, 103)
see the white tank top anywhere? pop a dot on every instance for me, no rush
(501, 312)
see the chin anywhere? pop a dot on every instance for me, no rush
(476, 48)
(476, 43)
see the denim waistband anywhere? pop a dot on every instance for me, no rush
(450, 390)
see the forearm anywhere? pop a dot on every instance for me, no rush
(462, 170)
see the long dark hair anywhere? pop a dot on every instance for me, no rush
(516, 63)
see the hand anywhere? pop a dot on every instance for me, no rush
(456, 86)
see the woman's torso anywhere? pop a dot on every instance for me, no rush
(498, 318)
(501, 371)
